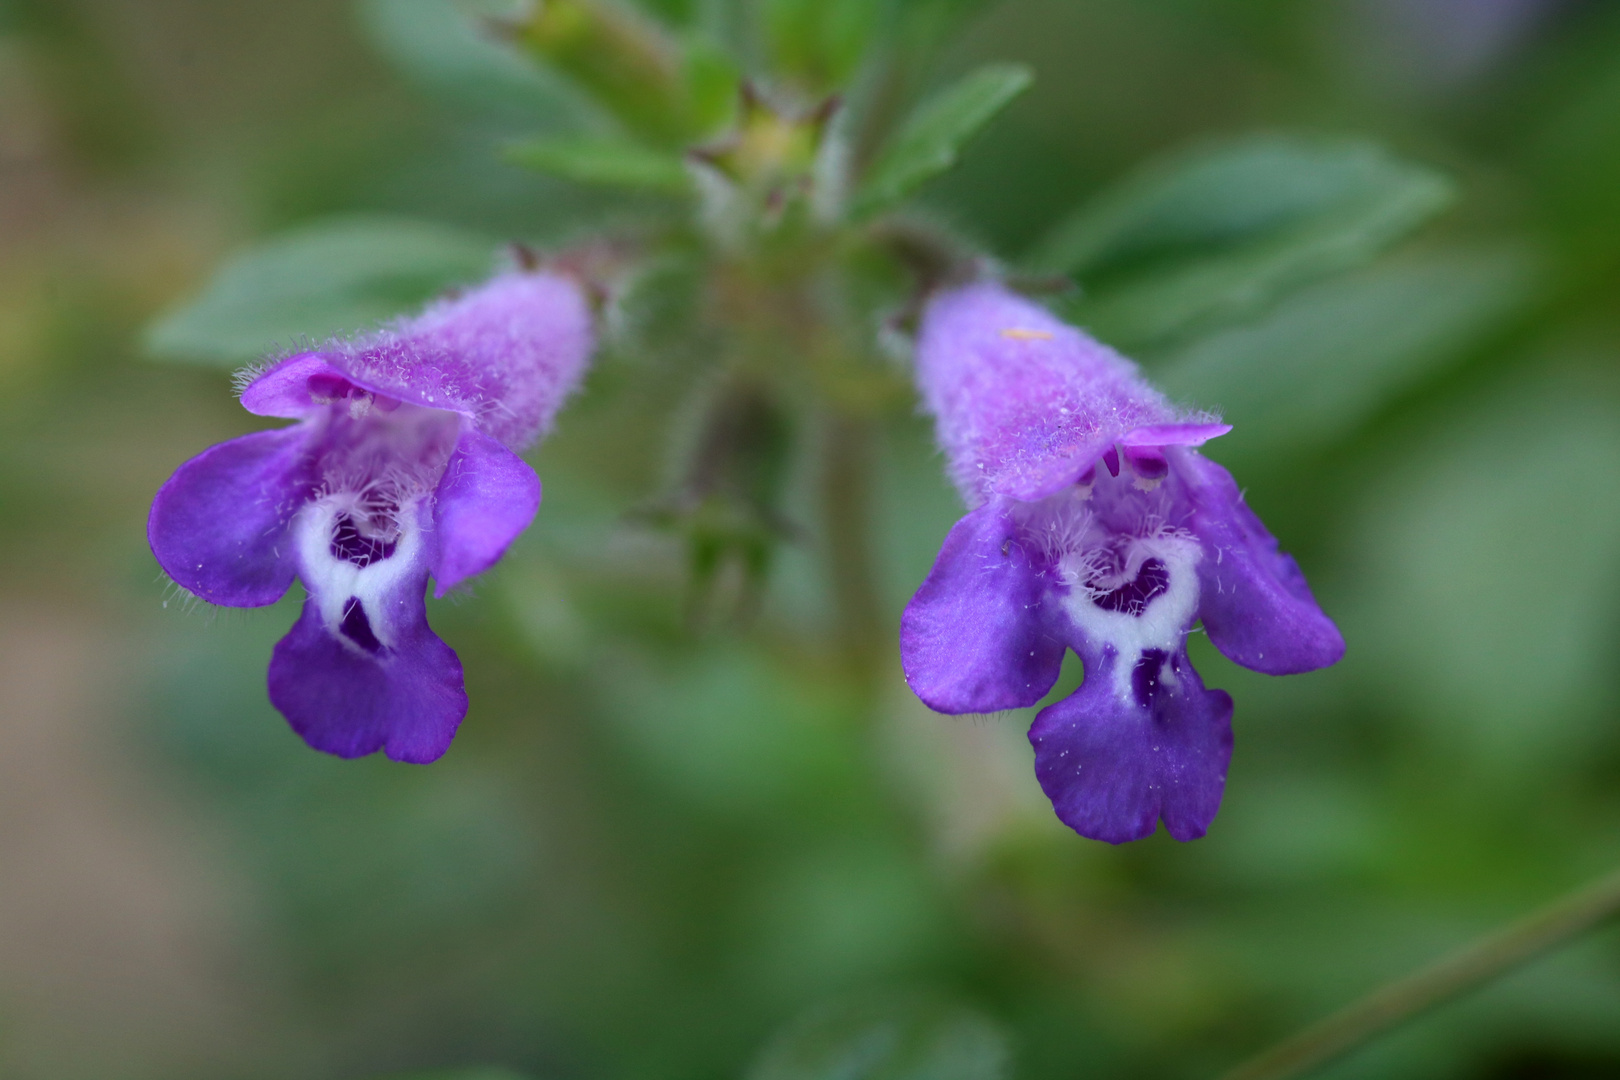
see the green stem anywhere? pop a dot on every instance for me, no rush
(847, 453)
(1451, 976)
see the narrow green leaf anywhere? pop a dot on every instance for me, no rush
(1217, 194)
(933, 136)
(1235, 284)
(891, 1037)
(711, 78)
(601, 160)
(1218, 235)
(342, 275)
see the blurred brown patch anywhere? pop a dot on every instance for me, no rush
(116, 923)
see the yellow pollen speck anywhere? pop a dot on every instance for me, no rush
(1018, 334)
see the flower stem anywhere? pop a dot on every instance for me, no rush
(846, 495)
(1449, 977)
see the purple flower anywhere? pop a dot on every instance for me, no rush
(1095, 526)
(401, 466)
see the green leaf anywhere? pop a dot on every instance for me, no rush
(711, 80)
(924, 26)
(676, 12)
(819, 42)
(658, 87)
(1502, 673)
(440, 46)
(477, 1072)
(342, 275)
(601, 160)
(692, 727)
(894, 1037)
(1332, 355)
(1217, 194)
(1217, 235)
(933, 136)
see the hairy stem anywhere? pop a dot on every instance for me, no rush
(1448, 978)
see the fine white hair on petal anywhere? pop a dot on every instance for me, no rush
(1023, 402)
(245, 376)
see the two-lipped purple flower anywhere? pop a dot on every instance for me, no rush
(402, 466)
(1095, 525)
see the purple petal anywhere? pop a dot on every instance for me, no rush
(1032, 481)
(218, 527)
(294, 388)
(1023, 403)
(360, 670)
(1037, 478)
(487, 496)
(1114, 764)
(349, 695)
(1255, 603)
(507, 353)
(1173, 434)
(974, 638)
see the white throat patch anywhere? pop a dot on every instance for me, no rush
(332, 580)
(1161, 623)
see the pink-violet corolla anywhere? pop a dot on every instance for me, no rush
(1095, 525)
(403, 465)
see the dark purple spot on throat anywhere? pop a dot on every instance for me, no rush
(1148, 462)
(1145, 675)
(1133, 597)
(350, 544)
(329, 387)
(357, 628)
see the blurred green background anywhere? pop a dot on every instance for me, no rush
(650, 850)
